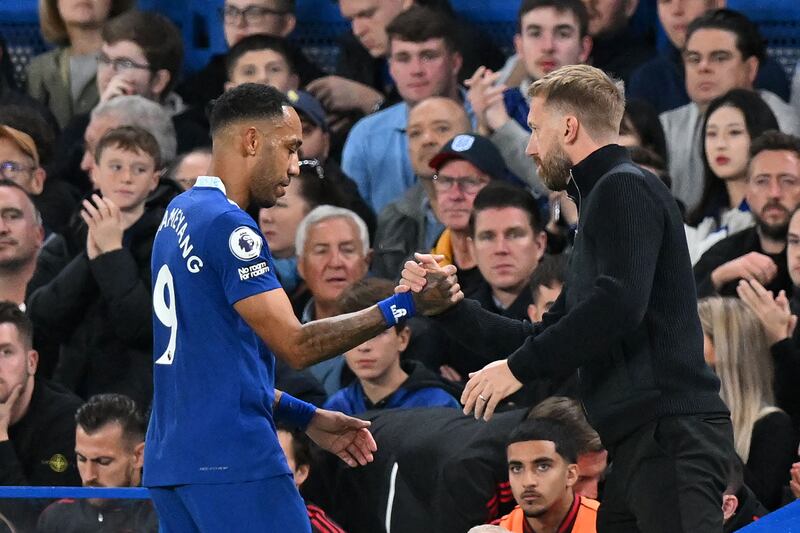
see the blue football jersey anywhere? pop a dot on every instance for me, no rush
(211, 419)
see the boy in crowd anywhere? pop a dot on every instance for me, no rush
(383, 381)
(261, 59)
(297, 447)
(92, 284)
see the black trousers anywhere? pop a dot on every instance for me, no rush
(668, 476)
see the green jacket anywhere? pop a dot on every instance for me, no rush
(49, 83)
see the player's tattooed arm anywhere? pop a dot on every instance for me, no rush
(301, 345)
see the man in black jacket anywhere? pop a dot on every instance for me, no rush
(626, 320)
(109, 447)
(37, 433)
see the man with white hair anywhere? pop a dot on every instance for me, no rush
(333, 252)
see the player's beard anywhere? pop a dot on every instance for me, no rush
(554, 169)
(263, 191)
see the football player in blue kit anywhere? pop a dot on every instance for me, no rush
(213, 461)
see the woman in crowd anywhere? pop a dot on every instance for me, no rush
(640, 127)
(736, 348)
(732, 121)
(63, 79)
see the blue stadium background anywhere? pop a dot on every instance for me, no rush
(319, 24)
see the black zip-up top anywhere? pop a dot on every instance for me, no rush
(626, 319)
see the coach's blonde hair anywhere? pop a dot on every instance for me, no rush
(743, 364)
(586, 92)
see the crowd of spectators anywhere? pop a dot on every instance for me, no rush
(415, 143)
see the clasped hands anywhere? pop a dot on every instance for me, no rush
(105, 224)
(435, 290)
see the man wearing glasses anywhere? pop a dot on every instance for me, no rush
(241, 18)
(142, 53)
(19, 160)
(21, 230)
(463, 167)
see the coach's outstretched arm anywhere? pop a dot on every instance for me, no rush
(486, 332)
(301, 345)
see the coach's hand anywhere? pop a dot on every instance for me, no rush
(435, 288)
(487, 387)
(343, 435)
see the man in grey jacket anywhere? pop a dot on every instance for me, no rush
(409, 224)
(722, 52)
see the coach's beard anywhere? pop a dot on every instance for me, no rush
(554, 169)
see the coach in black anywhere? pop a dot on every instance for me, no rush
(626, 320)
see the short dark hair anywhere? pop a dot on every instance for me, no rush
(130, 139)
(256, 42)
(159, 39)
(29, 120)
(498, 194)
(551, 269)
(641, 119)
(418, 24)
(366, 293)
(548, 429)
(576, 7)
(301, 445)
(569, 412)
(103, 409)
(748, 39)
(248, 101)
(774, 140)
(316, 187)
(646, 157)
(10, 313)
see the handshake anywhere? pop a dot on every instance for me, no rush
(434, 288)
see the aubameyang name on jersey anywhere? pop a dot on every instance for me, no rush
(176, 220)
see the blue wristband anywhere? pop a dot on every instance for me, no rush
(294, 412)
(397, 307)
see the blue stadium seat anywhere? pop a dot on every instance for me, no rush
(19, 28)
(320, 25)
(779, 23)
